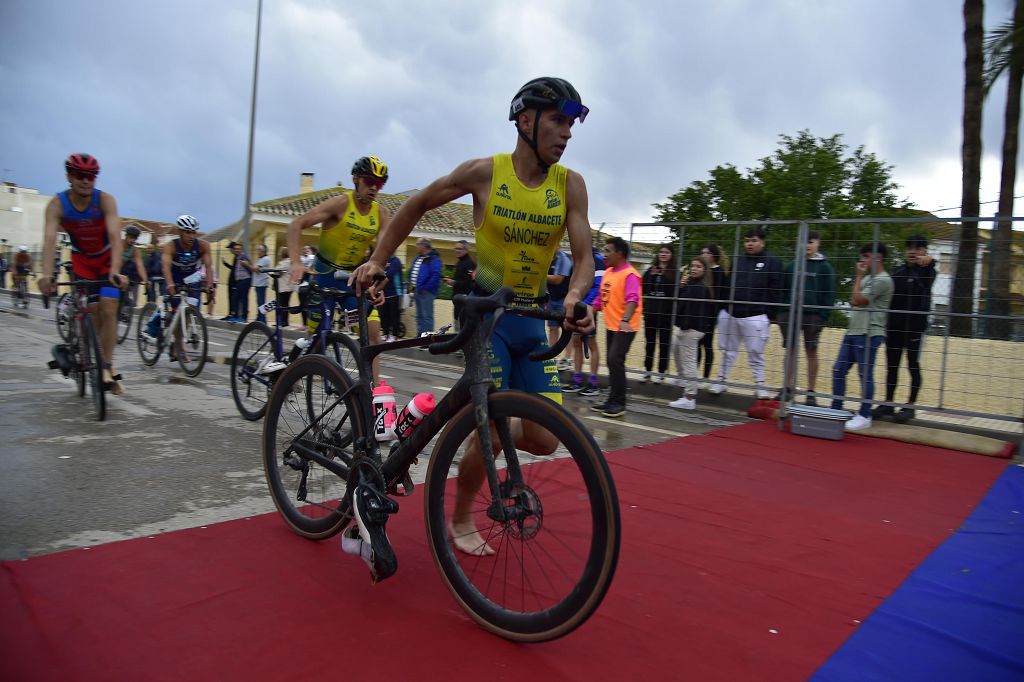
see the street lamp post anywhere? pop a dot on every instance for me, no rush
(247, 216)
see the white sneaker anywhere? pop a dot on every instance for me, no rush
(704, 385)
(272, 367)
(646, 377)
(684, 403)
(858, 423)
(717, 388)
(563, 364)
(763, 393)
(657, 379)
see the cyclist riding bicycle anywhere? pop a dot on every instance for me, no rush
(523, 204)
(22, 269)
(181, 260)
(89, 217)
(132, 265)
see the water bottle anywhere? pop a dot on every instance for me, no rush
(413, 413)
(153, 326)
(385, 412)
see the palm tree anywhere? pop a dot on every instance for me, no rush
(1004, 53)
(970, 206)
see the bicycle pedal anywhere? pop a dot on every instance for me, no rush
(407, 488)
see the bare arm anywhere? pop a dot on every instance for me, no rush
(325, 212)
(578, 227)
(858, 299)
(204, 251)
(139, 267)
(165, 262)
(109, 207)
(53, 214)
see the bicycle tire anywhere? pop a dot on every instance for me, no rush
(583, 551)
(326, 513)
(78, 360)
(92, 359)
(254, 348)
(124, 319)
(63, 316)
(149, 350)
(195, 340)
(342, 350)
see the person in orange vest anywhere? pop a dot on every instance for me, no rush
(623, 308)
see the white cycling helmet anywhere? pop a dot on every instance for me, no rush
(187, 223)
(23, 248)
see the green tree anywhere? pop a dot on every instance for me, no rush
(970, 203)
(1004, 53)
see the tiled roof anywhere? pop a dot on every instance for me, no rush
(453, 218)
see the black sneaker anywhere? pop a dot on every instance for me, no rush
(599, 408)
(614, 410)
(904, 415)
(883, 411)
(572, 388)
(811, 401)
(370, 509)
(591, 389)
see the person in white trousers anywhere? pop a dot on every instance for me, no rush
(695, 311)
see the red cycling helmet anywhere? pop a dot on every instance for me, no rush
(82, 163)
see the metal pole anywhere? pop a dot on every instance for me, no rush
(247, 216)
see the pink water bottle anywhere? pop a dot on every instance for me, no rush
(385, 412)
(412, 414)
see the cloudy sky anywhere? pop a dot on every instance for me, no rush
(160, 92)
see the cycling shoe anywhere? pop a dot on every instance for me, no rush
(371, 509)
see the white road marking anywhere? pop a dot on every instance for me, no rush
(639, 426)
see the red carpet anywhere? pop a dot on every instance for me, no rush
(746, 554)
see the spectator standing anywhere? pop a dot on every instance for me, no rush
(558, 286)
(242, 269)
(284, 286)
(660, 285)
(4, 268)
(622, 304)
(872, 296)
(579, 341)
(695, 313)
(232, 296)
(718, 262)
(462, 281)
(425, 280)
(757, 283)
(307, 259)
(261, 280)
(818, 301)
(394, 289)
(908, 319)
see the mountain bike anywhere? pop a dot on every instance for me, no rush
(185, 323)
(551, 522)
(81, 357)
(259, 356)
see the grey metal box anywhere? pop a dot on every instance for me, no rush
(818, 422)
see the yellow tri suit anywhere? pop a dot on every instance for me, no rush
(521, 230)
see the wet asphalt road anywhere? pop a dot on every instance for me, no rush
(173, 452)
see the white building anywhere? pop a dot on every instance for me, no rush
(22, 212)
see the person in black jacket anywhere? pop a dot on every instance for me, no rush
(462, 281)
(659, 283)
(717, 261)
(695, 313)
(908, 319)
(757, 284)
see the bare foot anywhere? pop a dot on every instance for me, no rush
(466, 539)
(116, 387)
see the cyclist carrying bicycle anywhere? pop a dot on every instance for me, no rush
(523, 204)
(349, 224)
(22, 269)
(89, 217)
(181, 260)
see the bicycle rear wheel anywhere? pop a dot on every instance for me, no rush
(149, 347)
(310, 497)
(124, 318)
(64, 317)
(92, 361)
(553, 562)
(254, 350)
(192, 355)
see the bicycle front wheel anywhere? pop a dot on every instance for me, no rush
(92, 361)
(544, 570)
(64, 317)
(311, 497)
(192, 354)
(250, 387)
(149, 347)
(124, 318)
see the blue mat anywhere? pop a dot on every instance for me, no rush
(960, 614)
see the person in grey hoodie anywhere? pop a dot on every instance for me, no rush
(819, 297)
(756, 286)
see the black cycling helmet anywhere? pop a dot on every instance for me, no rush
(543, 93)
(370, 167)
(132, 231)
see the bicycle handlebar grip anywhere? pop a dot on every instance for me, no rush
(578, 311)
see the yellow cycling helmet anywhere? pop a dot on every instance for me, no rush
(370, 167)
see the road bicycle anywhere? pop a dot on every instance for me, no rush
(81, 356)
(64, 308)
(259, 355)
(185, 323)
(125, 311)
(552, 522)
(19, 293)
